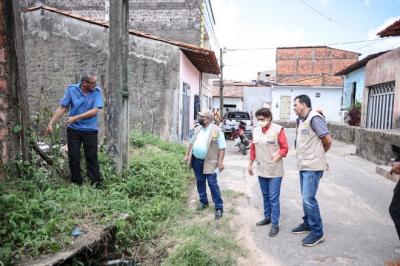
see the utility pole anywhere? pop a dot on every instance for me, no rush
(221, 84)
(117, 121)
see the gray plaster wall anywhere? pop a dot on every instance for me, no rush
(59, 48)
(373, 145)
(173, 19)
(382, 69)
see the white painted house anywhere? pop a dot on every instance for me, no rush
(322, 97)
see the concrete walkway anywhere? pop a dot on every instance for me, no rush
(354, 203)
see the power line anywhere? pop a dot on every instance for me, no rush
(331, 19)
(326, 44)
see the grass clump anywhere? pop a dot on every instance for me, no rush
(39, 212)
(206, 243)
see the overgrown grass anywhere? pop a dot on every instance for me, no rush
(204, 244)
(39, 213)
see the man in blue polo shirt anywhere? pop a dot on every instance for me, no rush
(83, 100)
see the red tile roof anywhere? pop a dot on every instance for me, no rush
(392, 30)
(203, 59)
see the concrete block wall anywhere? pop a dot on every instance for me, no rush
(173, 19)
(91, 8)
(373, 145)
(60, 48)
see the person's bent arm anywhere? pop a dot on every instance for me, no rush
(326, 142)
(56, 117)
(88, 114)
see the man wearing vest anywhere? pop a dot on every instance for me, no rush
(312, 142)
(269, 146)
(205, 155)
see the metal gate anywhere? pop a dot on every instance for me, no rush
(380, 106)
(185, 110)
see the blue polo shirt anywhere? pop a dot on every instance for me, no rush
(79, 103)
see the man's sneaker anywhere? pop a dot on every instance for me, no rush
(264, 221)
(218, 214)
(202, 206)
(274, 230)
(301, 229)
(313, 239)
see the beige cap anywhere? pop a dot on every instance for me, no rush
(206, 113)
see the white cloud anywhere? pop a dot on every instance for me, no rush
(244, 65)
(381, 44)
(367, 2)
(389, 21)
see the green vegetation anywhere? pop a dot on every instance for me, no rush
(39, 211)
(206, 243)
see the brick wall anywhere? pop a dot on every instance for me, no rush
(302, 63)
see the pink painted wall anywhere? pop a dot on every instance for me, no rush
(384, 68)
(190, 75)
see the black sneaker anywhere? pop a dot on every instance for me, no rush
(313, 239)
(218, 214)
(301, 229)
(264, 221)
(202, 206)
(274, 230)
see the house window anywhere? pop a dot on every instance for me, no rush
(317, 94)
(353, 93)
(196, 105)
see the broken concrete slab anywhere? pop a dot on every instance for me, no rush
(384, 170)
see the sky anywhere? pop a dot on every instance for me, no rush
(254, 24)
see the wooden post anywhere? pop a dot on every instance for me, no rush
(117, 92)
(18, 95)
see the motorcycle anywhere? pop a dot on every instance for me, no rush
(241, 140)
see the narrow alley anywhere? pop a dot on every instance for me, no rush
(354, 203)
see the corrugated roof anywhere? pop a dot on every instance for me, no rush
(359, 64)
(392, 30)
(203, 59)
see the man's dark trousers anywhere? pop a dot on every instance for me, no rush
(394, 208)
(75, 138)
